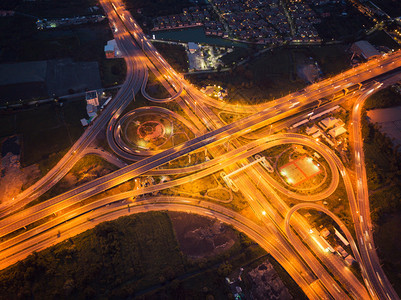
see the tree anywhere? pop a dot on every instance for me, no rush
(69, 286)
(224, 269)
(115, 70)
(175, 284)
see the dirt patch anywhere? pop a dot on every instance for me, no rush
(13, 178)
(201, 237)
(266, 284)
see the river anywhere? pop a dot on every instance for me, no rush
(196, 35)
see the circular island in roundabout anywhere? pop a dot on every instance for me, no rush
(149, 130)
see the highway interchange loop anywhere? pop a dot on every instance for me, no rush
(313, 278)
(133, 153)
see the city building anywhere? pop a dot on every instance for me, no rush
(364, 49)
(208, 90)
(84, 122)
(193, 47)
(6, 13)
(325, 233)
(337, 131)
(316, 134)
(111, 50)
(349, 260)
(92, 98)
(340, 236)
(328, 122)
(311, 130)
(340, 250)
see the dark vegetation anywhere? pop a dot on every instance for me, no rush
(21, 41)
(46, 130)
(49, 129)
(154, 88)
(236, 55)
(383, 99)
(274, 74)
(391, 7)
(158, 7)
(112, 71)
(343, 22)
(49, 8)
(387, 245)
(383, 167)
(381, 38)
(87, 168)
(132, 256)
(175, 55)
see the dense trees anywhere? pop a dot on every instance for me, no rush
(383, 161)
(137, 255)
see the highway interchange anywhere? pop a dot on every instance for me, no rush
(231, 146)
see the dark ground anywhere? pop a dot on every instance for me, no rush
(201, 237)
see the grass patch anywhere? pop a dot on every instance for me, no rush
(199, 186)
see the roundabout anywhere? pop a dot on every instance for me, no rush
(149, 130)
